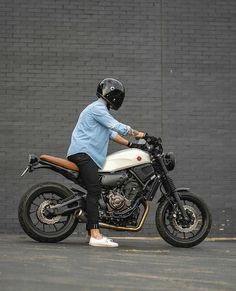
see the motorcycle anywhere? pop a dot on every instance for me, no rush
(130, 178)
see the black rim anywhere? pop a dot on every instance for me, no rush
(38, 221)
(177, 228)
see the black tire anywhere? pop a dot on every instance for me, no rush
(171, 229)
(28, 213)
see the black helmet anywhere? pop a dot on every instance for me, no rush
(112, 91)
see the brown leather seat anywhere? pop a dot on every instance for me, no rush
(59, 162)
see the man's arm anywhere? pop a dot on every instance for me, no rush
(119, 139)
(102, 115)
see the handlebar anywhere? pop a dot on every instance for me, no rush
(154, 144)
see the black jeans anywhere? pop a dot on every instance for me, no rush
(89, 174)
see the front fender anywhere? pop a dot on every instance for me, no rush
(181, 189)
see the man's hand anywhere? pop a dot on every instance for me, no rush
(136, 146)
(135, 133)
(119, 139)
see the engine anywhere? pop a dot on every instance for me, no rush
(121, 198)
(120, 191)
(122, 188)
(117, 201)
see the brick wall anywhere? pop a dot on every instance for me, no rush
(176, 59)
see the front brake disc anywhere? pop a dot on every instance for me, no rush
(191, 226)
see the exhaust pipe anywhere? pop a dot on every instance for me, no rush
(81, 215)
(134, 229)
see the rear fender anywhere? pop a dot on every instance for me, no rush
(35, 163)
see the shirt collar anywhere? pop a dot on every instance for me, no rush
(102, 101)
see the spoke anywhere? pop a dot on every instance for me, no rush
(59, 222)
(199, 217)
(37, 223)
(55, 227)
(179, 234)
(35, 204)
(174, 232)
(49, 228)
(31, 212)
(45, 198)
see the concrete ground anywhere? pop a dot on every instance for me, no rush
(138, 264)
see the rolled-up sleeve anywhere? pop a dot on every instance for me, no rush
(102, 115)
(112, 134)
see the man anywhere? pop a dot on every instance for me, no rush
(88, 148)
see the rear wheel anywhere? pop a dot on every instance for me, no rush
(172, 227)
(32, 217)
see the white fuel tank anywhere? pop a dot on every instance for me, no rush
(125, 159)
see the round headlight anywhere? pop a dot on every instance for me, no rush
(169, 161)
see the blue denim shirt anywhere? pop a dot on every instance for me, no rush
(93, 130)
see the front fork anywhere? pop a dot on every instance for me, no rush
(171, 190)
(181, 206)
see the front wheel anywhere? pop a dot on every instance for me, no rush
(36, 223)
(174, 230)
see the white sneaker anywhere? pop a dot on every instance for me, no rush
(103, 242)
